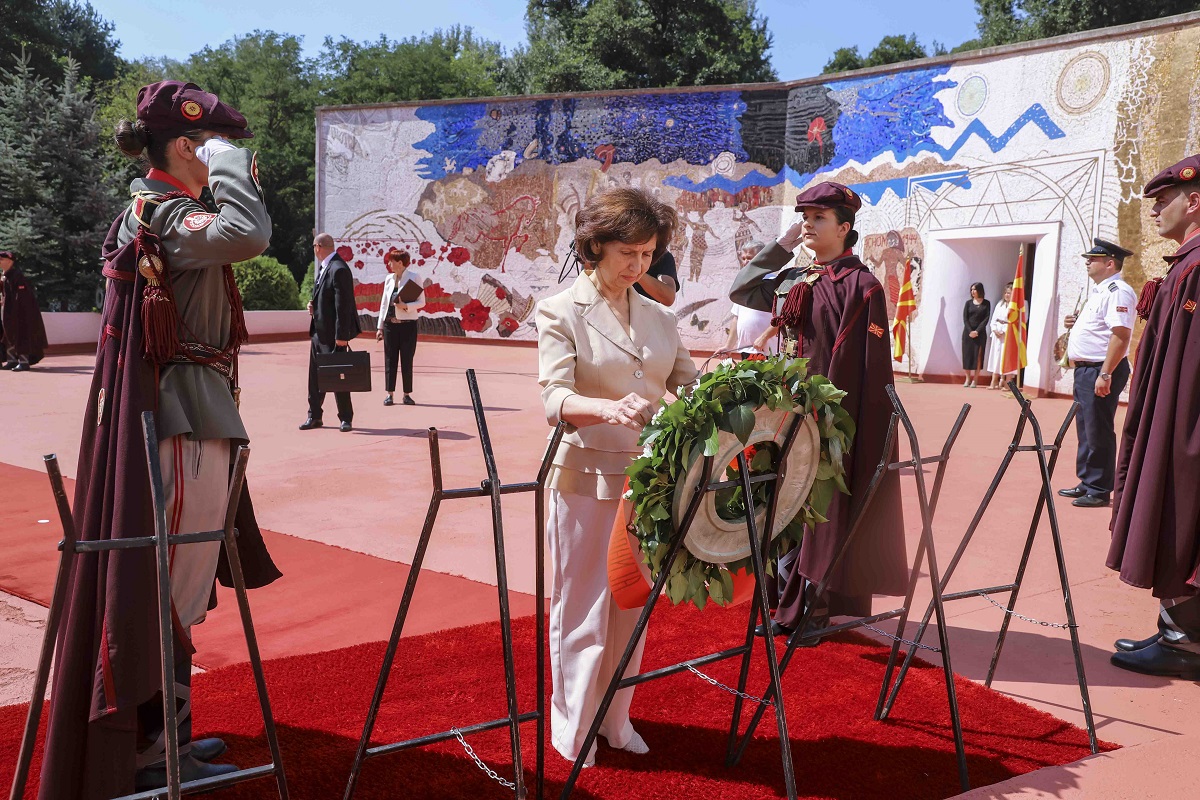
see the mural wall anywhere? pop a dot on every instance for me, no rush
(1058, 139)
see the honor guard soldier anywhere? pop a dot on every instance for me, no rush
(22, 333)
(170, 333)
(1156, 508)
(835, 316)
(1097, 347)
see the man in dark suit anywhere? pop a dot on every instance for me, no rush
(334, 324)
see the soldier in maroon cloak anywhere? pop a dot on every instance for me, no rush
(835, 315)
(170, 331)
(22, 334)
(1156, 505)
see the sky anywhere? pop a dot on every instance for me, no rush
(805, 33)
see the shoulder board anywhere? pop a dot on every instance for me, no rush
(1112, 287)
(144, 204)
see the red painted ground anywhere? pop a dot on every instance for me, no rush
(456, 678)
(328, 597)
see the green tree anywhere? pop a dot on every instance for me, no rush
(578, 45)
(266, 285)
(844, 59)
(890, 50)
(49, 31)
(450, 63)
(265, 76)
(55, 205)
(1007, 21)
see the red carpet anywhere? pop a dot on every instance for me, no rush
(456, 678)
(328, 598)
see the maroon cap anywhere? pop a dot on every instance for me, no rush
(829, 195)
(7, 254)
(1185, 171)
(169, 108)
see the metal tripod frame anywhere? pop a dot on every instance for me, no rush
(1045, 500)
(162, 541)
(925, 552)
(492, 488)
(759, 608)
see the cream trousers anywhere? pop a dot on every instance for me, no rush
(588, 632)
(196, 479)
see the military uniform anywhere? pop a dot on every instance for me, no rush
(1111, 304)
(1156, 508)
(22, 332)
(171, 327)
(841, 329)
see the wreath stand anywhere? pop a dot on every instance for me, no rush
(927, 502)
(161, 541)
(1045, 500)
(759, 608)
(492, 488)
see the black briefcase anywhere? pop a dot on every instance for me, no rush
(344, 371)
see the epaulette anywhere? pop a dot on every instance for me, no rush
(143, 206)
(1112, 287)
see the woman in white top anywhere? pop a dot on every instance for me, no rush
(398, 322)
(996, 331)
(606, 356)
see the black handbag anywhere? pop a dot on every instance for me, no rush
(344, 371)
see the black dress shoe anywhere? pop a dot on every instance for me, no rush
(408, 401)
(207, 749)
(1078, 491)
(1129, 645)
(1158, 659)
(189, 770)
(9, 365)
(1090, 501)
(346, 427)
(777, 629)
(311, 423)
(387, 401)
(21, 367)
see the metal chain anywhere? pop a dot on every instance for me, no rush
(1024, 618)
(491, 773)
(917, 645)
(729, 689)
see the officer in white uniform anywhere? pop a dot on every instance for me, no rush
(1097, 347)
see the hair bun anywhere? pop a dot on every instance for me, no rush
(851, 238)
(132, 138)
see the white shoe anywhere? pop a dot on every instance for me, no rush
(636, 745)
(967, 383)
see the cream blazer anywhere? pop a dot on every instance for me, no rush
(583, 350)
(389, 288)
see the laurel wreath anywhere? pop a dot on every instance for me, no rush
(726, 399)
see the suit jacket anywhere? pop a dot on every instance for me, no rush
(391, 296)
(335, 314)
(583, 350)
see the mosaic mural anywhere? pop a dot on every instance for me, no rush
(483, 194)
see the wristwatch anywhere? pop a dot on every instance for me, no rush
(1106, 376)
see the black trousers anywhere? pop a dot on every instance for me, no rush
(1095, 427)
(316, 398)
(399, 341)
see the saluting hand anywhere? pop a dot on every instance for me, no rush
(632, 411)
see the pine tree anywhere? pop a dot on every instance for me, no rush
(55, 206)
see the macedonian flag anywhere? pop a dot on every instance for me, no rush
(1014, 357)
(906, 304)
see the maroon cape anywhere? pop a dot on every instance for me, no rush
(845, 339)
(1156, 505)
(22, 323)
(107, 660)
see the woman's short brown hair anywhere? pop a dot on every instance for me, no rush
(396, 254)
(624, 215)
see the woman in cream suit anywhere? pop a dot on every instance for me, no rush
(606, 355)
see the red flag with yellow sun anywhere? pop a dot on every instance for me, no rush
(1016, 334)
(905, 306)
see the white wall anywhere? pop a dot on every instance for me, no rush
(954, 260)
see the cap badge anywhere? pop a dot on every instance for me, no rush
(1187, 173)
(849, 194)
(191, 110)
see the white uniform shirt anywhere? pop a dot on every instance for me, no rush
(751, 324)
(1111, 303)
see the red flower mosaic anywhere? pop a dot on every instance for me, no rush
(501, 294)
(437, 300)
(507, 326)
(475, 316)
(345, 252)
(426, 250)
(458, 256)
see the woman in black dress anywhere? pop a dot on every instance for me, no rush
(976, 315)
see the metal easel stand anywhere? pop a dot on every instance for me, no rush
(492, 488)
(925, 553)
(1045, 500)
(759, 609)
(162, 541)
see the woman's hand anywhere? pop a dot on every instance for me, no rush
(632, 411)
(379, 336)
(974, 334)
